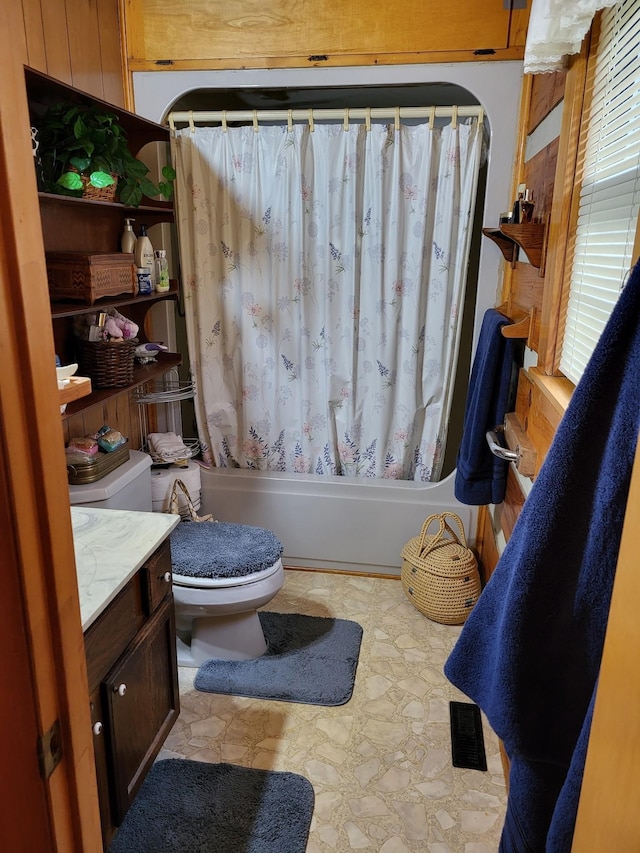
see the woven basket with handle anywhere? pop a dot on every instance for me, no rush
(440, 573)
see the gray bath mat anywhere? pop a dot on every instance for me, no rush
(310, 659)
(191, 807)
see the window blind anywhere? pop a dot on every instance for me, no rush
(608, 175)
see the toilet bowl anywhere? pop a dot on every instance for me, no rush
(222, 573)
(216, 597)
(218, 618)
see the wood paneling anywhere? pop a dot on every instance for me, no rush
(34, 30)
(508, 511)
(547, 91)
(78, 42)
(277, 33)
(539, 174)
(54, 16)
(486, 545)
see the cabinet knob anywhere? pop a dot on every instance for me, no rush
(167, 577)
(97, 728)
(121, 689)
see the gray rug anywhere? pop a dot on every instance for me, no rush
(191, 807)
(310, 659)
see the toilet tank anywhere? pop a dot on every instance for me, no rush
(127, 487)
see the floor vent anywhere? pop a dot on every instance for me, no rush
(467, 740)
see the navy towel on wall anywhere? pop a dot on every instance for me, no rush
(529, 654)
(481, 478)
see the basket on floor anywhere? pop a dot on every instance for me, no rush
(109, 364)
(440, 573)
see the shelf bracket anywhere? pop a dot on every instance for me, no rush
(522, 329)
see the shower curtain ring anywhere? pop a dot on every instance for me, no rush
(397, 120)
(225, 127)
(311, 127)
(192, 126)
(289, 120)
(432, 118)
(454, 117)
(346, 119)
(255, 121)
(367, 119)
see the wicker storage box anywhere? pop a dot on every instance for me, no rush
(440, 573)
(87, 277)
(109, 364)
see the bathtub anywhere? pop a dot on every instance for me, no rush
(340, 523)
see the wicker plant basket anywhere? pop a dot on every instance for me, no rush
(109, 364)
(440, 573)
(99, 193)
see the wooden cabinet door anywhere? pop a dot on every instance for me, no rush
(140, 695)
(274, 33)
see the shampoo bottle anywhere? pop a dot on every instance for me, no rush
(128, 240)
(144, 253)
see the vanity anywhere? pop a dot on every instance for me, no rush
(123, 563)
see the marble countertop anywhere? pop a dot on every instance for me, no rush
(110, 546)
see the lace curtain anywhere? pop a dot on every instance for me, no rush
(323, 273)
(556, 29)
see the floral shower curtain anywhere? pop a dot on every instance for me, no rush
(323, 272)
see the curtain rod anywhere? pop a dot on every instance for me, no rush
(190, 117)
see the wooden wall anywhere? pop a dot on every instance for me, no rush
(78, 42)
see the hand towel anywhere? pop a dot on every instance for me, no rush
(481, 478)
(529, 653)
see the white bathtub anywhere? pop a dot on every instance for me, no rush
(338, 523)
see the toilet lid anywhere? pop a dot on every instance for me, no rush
(212, 583)
(222, 550)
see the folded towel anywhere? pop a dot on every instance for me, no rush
(481, 478)
(529, 653)
(167, 446)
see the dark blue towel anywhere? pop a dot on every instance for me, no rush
(481, 478)
(529, 653)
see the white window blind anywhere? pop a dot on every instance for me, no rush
(608, 174)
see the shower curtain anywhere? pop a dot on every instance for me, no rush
(323, 271)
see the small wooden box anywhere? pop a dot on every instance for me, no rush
(87, 277)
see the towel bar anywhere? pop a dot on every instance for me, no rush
(497, 449)
(519, 448)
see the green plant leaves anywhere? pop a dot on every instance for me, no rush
(89, 140)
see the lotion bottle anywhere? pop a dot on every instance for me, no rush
(128, 240)
(144, 256)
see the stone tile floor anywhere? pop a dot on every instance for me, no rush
(381, 764)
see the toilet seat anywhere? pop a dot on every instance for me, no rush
(217, 583)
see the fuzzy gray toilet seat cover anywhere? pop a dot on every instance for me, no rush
(222, 549)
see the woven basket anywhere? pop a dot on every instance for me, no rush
(440, 573)
(99, 193)
(109, 364)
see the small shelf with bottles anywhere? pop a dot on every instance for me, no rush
(529, 236)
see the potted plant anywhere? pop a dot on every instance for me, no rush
(83, 150)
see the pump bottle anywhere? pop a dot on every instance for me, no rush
(128, 240)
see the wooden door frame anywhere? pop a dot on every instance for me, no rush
(35, 483)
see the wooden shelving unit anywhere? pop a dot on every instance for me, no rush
(141, 374)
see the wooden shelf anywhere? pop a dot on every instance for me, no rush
(162, 210)
(72, 309)
(529, 237)
(141, 374)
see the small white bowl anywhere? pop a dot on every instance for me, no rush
(66, 372)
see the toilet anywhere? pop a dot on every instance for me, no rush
(216, 598)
